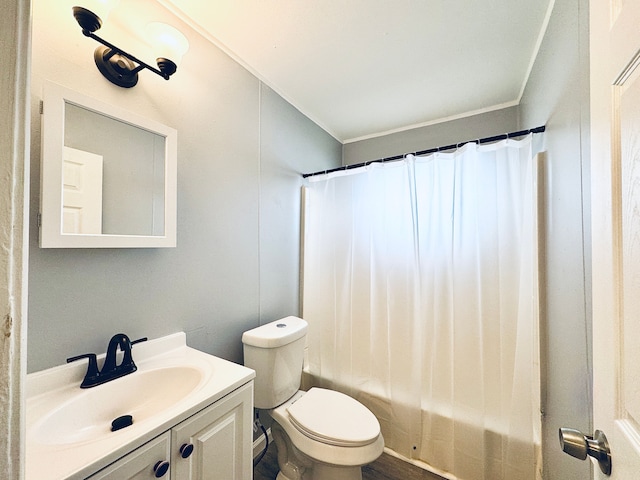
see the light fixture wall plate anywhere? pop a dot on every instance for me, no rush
(116, 68)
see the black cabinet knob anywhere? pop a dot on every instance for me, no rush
(186, 450)
(160, 469)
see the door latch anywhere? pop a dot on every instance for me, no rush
(578, 445)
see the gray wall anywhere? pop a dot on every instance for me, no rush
(557, 95)
(438, 135)
(290, 145)
(241, 149)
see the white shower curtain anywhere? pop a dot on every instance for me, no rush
(421, 291)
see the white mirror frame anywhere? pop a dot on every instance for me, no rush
(55, 97)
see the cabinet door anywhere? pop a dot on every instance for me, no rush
(140, 464)
(221, 437)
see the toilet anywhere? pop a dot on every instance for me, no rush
(320, 434)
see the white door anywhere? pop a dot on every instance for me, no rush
(82, 192)
(615, 183)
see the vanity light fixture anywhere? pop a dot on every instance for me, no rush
(120, 67)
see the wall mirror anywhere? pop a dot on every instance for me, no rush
(108, 176)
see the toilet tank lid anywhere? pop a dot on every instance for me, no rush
(277, 333)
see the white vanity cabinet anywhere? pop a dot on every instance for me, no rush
(221, 437)
(139, 464)
(213, 444)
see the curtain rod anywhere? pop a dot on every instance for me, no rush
(479, 141)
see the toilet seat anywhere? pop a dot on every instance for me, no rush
(333, 418)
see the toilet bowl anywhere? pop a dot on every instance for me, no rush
(320, 434)
(330, 427)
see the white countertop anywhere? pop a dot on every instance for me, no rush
(50, 390)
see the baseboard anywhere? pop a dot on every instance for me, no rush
(260, 442)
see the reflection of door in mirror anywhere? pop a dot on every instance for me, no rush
(82, 192)
(133, 170)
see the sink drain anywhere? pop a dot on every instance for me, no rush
(121, 422)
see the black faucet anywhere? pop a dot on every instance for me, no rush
(92, 378)
(110, 370)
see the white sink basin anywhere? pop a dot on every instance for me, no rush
(141, 394)
(68, 429)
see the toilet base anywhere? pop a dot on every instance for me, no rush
(321, 472)
(354, 473)
(295, 465)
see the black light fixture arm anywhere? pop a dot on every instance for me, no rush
(113, 50)
(117, 66)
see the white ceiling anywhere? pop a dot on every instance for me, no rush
(361, 68)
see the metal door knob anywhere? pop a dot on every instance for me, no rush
(578, 445)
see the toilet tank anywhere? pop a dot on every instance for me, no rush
(276, 352)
